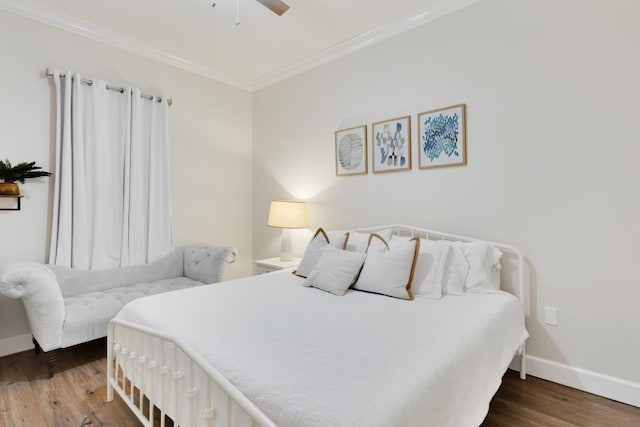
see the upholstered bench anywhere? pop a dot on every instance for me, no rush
(68, 306)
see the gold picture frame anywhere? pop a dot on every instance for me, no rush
(391, 145)
(443, 136)
(351, 151)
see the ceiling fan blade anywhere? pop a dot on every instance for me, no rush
(276, 6)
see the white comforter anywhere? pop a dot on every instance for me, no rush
(308, 358)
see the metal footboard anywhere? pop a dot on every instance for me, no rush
(158, 376)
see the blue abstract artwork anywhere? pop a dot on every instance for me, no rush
(442, 138)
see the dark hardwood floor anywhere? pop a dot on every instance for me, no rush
(76, 396)
(536, 402)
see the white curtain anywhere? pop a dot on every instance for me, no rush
(112, 204)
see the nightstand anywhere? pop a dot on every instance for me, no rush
(274, 264)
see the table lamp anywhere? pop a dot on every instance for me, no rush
(287, 214)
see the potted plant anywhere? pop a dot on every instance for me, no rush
(10, 174)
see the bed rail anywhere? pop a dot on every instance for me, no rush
(159, 376)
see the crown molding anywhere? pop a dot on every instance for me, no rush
(442, 8)
(51, 17)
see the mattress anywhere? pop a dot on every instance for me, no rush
(308, 358)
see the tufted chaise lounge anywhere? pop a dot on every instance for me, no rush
(68, 306)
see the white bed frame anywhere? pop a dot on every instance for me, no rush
(150, 369)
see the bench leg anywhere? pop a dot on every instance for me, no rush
(51, 361)
(49, 356)
(36, 346)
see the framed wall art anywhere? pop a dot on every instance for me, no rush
(351, 151)
(442, 136)
(391, 145)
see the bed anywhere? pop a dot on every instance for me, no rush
(267, 351)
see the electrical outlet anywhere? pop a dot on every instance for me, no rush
(551, 316)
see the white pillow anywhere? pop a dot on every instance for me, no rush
(484, 266)
(337, 238)
(389, 271)
(455, 272)
(358, 241)
(428, 275)
(313, 251)
(336, 270)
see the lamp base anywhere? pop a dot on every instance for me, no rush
(286, 253)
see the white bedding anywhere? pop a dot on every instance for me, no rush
(308, 358)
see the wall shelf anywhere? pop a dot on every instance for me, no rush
(6, 196)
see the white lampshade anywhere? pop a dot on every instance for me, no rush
(287, 214)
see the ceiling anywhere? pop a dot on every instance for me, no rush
(263, 49)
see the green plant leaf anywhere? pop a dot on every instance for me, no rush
(20, 172)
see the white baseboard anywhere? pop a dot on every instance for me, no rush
(592, 382)
(15, 344)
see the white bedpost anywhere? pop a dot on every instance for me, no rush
(110, 362)
(523, 363)
(523, 353)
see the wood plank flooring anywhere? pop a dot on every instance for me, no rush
(76, 396)
(536, 402)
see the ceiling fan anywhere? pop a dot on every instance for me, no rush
(276, 6)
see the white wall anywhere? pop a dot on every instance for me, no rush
(210, 144)
(551, 90)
